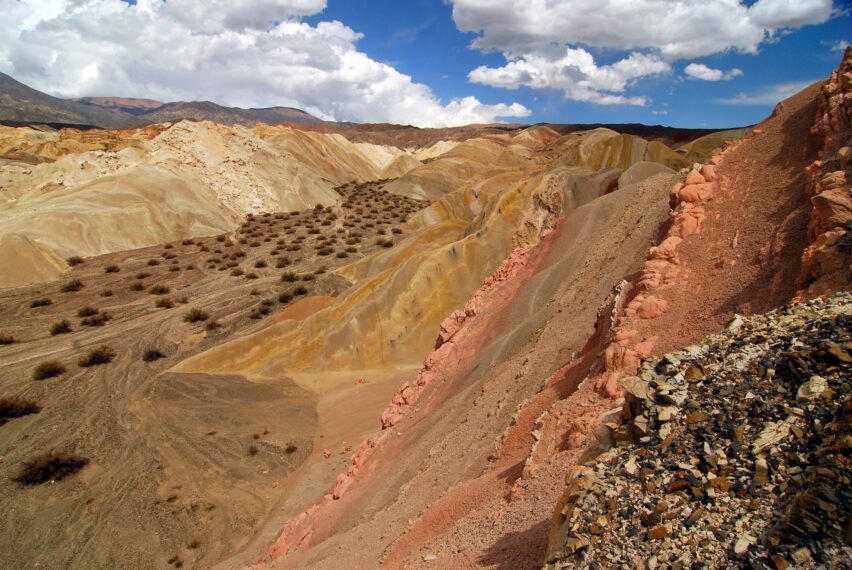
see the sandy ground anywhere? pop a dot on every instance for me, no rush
(175, 458)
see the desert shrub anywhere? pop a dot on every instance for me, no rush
(243, 241)
(40, 303)
(153, 262)
(254, 244)
(381, 231)
(164, 303)
(251, 275)
(260, 264)
(254, 292)
(97, 320)
(137, 287)
(351, 249)
(308, 277)
(285, 297)
(231, 264)
(51, 466)
(289, 277)
(106, 293)
(142, 275)
(236, 272)
(325, 251)
(300, 290)
(159, 290)
(190, 267)
(291, 448)
(396, 230)
(152, 354)
(322, 269)
(72, 286)
(174, 268)
(204, 249)
(220, 238)
(169, 256)
(187, 242)
(6, 339)
(195, 315)
(61, 327)
(48, 369)
(74, 260)
(252, 450)
(168, 246)
(239, 253)
(97, 356)
(342, 254)
(87, 311)
(228, 243)
(14, 407)
(183, 300)
(314, 231)
(267, 302)
(258, 313)
(282, 262)
(212, 325)
(112, 269)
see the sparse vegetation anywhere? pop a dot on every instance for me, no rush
(152, 354)
(236, 272)
(300, 290)
(137, 287)
(252, 450)
(164, 303)
(251, 275)
(106, 293)
(112, 269)
(159, 290)
(97, 320)
(285, 297)
(50, 466)
(48, 369)
(142, 275)
(195, 315)
(212, 325)
(260, 264)
(6, 339)
(14, 407)
(87, 311)
(153, 262)
(74, 260)
(61, 327)
(289, 277)
(40, 303)
(72, 286)
(291, 448)
(95, 357)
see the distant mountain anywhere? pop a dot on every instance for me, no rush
(20, 104)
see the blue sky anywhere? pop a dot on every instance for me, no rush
(685, 63)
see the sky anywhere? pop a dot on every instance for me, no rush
(683, 63)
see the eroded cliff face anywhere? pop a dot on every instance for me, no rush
(827, 263)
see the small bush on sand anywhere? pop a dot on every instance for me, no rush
(236, 272)
(6, 339)
(74, 260)
(95, 357)
(260, 264)
(159, 290)
(152, 354)
(72, 286)
(252, 450)
(61, 327)
(289, 277)
(51, 466)
(212, 325)
(300, 290)
(87, 312)
(137, 287)
(187, 242)
(40, 303)
(112, 269)
(164, 303)
(285, 297)
(14, 407)
(251, 275)
(48, 369)
(195, 316)
(142, 275)
(183, 300)
(106, 293)
(153, 262)
(291, 448)
(97, 320)
(174, 268)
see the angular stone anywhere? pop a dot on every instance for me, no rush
(812, 389)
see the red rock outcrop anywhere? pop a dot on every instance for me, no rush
(826, 261)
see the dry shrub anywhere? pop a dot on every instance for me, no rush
(72, 286)
(61, 327)
(195, 315)
(152, 354)
(14, 407)
(48, 369)
(51, 466)
(96, 357)
(40, 303)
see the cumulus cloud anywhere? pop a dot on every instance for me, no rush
(837, 45)
(233, 52)
(767, 96)
(575, 73)
(534, 34)
(701, 71)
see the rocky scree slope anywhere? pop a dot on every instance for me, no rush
(732, 453)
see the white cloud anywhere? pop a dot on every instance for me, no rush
(701, 71)
(838, 45)
(233, 52)
(533, 35)
(575, 74)
(767, 96)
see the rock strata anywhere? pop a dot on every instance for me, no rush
(734, 453)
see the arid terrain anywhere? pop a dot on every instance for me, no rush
(365, 346)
